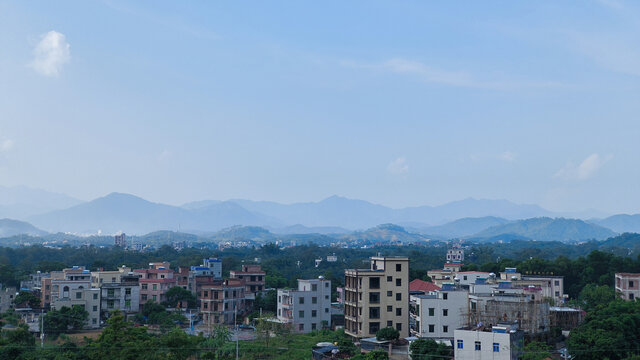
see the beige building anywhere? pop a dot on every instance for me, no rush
(627, 285)
(378, 297)
(108, 277)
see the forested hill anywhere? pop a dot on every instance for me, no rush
(546, 229)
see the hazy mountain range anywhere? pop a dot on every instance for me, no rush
(469, 218)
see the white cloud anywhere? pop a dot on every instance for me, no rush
(50, 54)
(435, 75)
(398, 166)
(6, 145)
(508, 156)
(585, 170)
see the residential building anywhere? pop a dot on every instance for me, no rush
(552, 286)
(213, 265)
(417, 286)
(108, 277)
(498, 342)
(254, 280)
(7, 294)
(160, 265)
(455, 254)
(526, 305)
(123, 295)
(87, 298)
(437, 314)
(155, 282)
(377, 297)
(34, 283)
(222, 302)
(308, 308)
(628, 285)
(120, 240)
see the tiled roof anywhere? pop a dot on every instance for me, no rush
(421, 285)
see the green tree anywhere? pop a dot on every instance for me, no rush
(220, 335)
(27, 298)
(593, 296)
(609, 332)
(387, 333)
(61, 321)
(122, 341)
(177, 295)
(536, 350)
(429, 349)
(267, 302)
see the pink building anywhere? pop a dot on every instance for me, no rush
(628, 285)
(154, 284)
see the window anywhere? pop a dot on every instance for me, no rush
(557, 293)
(95, 307)
(389, 278)
(445, 312)
(389, 308)
(460, 344)
(631, 296)
(313, 326)
(374, 327)
(445, 328)
(374, 312)
(155, 298)
(556, 283)
(314, 287)
(398, 282)
(326, 297)
(95, 296)
(314, 313)
(389, 323)
(432, 311)
(374, 297)
(398, 311)
(399, 326)
(445, 296)
(127, 303)
(631, 283)
(464, 277)
(314, 300)
(301, 327)
(94, 321)
(389, 293)
(205, 293)
(155, 286)
(110, 292)
(398, 296)
(205, 305)
(145, 286)
(432, 328)
(478, 346)
(398, 267)
(300, 300)
(326, 310)
(374, 283)
(144, 297)
(301, 314)
(496, 347)
(79, 295)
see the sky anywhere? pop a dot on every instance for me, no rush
(400, 103)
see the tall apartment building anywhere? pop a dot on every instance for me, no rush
(154, 283)
(34, 282)
(308, 308)
(222, 302)
(7, 294)
(377, 297)
(628, 285)
(120, 240)
(455, 254)
(437, 314)
(123, 295)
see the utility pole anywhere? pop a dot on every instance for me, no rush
(235, 322)
(42, 328)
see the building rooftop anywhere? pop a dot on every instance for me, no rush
(421, 285)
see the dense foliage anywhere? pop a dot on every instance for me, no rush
(429, 349)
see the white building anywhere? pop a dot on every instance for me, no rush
(308, 308)
(87, 298)
(500, 342)
(437, 314)
(455, 254)
(123, 295)
(627, 285)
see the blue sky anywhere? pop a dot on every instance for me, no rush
(400, 102)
